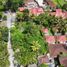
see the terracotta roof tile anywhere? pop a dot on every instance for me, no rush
(55, 49)
(64, 61)
(50, 39)
(45, 30)
(36, 11)
(43, 59)
(61, 39)
(58, 12)
(21, 8)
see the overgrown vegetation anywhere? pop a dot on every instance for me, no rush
(28, 43)
(3, 47)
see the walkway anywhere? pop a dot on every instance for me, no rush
(9, 48)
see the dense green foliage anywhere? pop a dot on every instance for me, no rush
(64, 7)
(1, 15)
(10, 4)
(3, 34)
(30, 32)
(3, 55)
(61, 4)
(55, 24)
(23, 16)
(43, 65)
(3, 47)
(13, 4)
(27, 43)
(26, 37)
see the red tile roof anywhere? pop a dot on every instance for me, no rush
(55, 49)
(65, 14)
(45, 30)
(59, 13)
(36, 11)
(61, 39)
(64, 61)
(21, 9)
(43, 59)
(33, 11)
(50, 39)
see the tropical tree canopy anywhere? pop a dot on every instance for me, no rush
(27, 43)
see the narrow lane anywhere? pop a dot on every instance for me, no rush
(9, 47)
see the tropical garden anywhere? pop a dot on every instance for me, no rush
(27, 38)
(4, 62)
(61, 4)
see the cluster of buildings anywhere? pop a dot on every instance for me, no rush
(37, 7)
(54, 39)
(56, 44)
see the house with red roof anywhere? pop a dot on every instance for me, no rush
(61, 39)
(36, 11)
(50, 39)
(45, 31)
(60, 13)
(32, 6)
(43, 59)
(21, 9)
